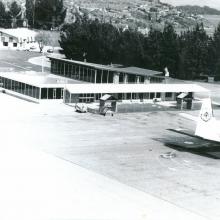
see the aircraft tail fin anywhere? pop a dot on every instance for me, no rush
(205, 118)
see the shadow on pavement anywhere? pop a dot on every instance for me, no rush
(192, 145)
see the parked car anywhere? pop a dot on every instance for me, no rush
(50, 51)
(80, 107)
(33, 47)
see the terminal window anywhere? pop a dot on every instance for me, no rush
(158, 95)
(152, 95)
(168, 94)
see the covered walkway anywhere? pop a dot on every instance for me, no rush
(165, 92)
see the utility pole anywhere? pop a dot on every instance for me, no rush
(42, 58)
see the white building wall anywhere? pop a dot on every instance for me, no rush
(8, 42)
(24, 38)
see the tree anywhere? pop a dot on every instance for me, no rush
(2, 14)
(74, 40)
(42, 39)
(217, 70)
(97, 40)
(14, 10)
(131, 48)
(47, 38)
(5, 20)
(195, 52)
(153, 49)
(48, 14)
(187, 56)
(215, 53)
(14, 13)
(170, 50)
(101, 42)
(30, 8)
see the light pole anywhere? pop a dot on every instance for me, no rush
(42, 63)
(42, 60)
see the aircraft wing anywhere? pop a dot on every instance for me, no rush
(184, 132)
(216, 103)
(191, 134)
(188, 116)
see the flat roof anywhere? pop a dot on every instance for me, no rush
(39, 79)
(19, 32)
(133, 88)
(129, 70)
(8, 35)
(43, 80)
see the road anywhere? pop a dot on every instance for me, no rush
(18, 61)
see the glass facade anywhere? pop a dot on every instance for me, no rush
(89, 98)
(73, 71)
(97, 75)
(30, 90)
(51, 93)
(22, 88)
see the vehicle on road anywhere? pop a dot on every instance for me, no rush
(50, 51)
(33, 47)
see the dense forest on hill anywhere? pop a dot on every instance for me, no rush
(188, 56)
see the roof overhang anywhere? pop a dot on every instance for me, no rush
(38, 79)
(134, 88)
(128, 70)
(8, 35)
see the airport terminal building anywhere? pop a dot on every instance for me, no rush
(82, 82)
(130, 83)
(87, 93)
(96, 73)
(33, 85)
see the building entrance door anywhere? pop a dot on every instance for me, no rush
(54, 93)
(62, 93)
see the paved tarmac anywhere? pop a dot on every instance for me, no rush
(126, 148)
(39, 183)
(122, 153)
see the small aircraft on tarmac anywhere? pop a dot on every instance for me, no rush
(208, 128)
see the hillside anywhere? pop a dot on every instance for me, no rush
(141, 14)
(198, 10)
